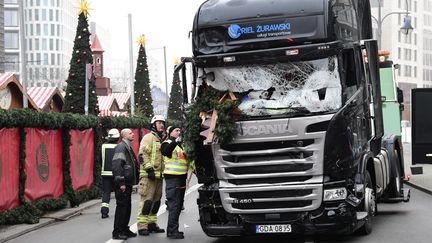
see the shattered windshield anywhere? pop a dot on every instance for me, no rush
(281, 88)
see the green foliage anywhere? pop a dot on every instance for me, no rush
(22, 118)
(225, 128)
(142, 88)
(176, 100)
(81, 54)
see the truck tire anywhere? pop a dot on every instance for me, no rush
(395, 185)
(369, 205)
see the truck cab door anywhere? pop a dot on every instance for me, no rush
(374, 93)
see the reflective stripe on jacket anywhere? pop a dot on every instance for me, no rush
(107, 156)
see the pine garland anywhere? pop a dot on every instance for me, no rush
(225, 126)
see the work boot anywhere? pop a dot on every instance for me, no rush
(130, 234)
(176, 235)
(154, 228)
(104, 216)
(119, 237)
(143, 232)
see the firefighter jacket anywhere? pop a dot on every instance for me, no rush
(150, 152)
(107, 156)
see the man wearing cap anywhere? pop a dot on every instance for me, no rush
(107, 177)
(150, 184)
(175, 174)
(124, 169)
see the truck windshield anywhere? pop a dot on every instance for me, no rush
(281, 88)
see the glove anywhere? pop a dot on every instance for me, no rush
(150, 173)
(178, 140)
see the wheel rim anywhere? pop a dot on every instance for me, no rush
(370, 201)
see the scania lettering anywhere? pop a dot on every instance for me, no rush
(311, 153)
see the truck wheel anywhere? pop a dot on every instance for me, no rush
(369, 205)
(395, 185)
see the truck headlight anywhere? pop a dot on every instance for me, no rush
(335, 194)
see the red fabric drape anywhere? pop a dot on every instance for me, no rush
(82, 159)
(43, 167)
(9, 168)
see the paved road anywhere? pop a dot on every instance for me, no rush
(403, 222)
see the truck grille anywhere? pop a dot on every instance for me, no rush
(279, 172)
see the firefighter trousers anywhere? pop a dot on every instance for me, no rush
(150, 192)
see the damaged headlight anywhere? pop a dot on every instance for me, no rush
(335, 194)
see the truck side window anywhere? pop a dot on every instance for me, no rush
(345, 23)
(351, 82)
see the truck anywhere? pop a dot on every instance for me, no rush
(308, 153)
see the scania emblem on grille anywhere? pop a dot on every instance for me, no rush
(264, 129)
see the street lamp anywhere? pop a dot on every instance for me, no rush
(406, 26)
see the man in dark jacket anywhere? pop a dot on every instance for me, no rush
(124, 168)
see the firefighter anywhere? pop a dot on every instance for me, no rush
(175, 174)
(107, 177)
(150, 185)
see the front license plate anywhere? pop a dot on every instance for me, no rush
(273, 228)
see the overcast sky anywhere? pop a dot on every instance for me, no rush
(163, 22)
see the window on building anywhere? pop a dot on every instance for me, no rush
(11, 40)
(36, 13)
(37, 2)
(30, 44)
(37, 44)
(52, 30)
(51, 15)
(44, 44)
(11, 63)
(45, 29)
(44, 15)
(57, 15)
(45, 2)
(11, 18)
(38, 58)
(52, 59)
(57, 45)
(38, 29)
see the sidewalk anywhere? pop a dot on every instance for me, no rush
(422, 182)
(9, 232)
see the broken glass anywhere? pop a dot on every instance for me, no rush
(281, 88)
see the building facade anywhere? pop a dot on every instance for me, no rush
(49, 32)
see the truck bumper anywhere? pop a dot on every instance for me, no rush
(326, 220)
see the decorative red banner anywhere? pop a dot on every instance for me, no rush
(144, 131)
(9, 168)
(44, 166)
(82, 159)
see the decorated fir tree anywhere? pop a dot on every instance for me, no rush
(143, 99)
(81, 55)
(176, 100)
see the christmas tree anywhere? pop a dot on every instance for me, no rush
(143, 99)
(81, 55)
(176, 100)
